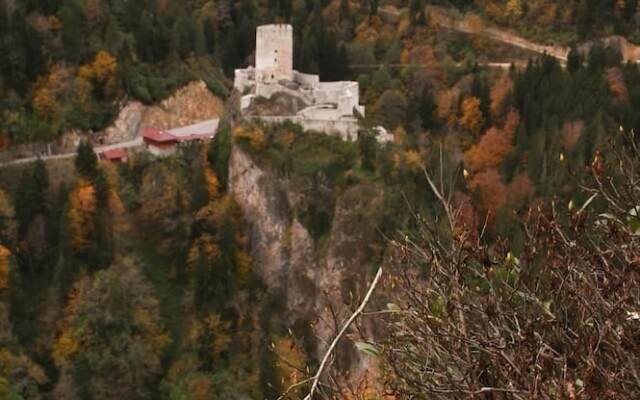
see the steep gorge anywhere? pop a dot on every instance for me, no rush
(318, 279)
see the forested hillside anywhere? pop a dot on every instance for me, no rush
(223, 271)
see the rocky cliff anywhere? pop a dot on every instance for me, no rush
(319, 279)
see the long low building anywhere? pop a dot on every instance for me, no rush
(160, 142)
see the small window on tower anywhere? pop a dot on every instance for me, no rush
(276, 60)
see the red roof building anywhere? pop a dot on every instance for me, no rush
(114, 155)
(159, 142)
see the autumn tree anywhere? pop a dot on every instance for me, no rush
(82, 209)
(472, 118)
(290, 365)
(125, 363)
(100, 75)
(499, 97)
(490, 189)
(20, 376)
(453, 303)
(493, 146)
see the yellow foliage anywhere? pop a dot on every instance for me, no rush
(101, 71)
(253, 134)
(218, 333)
(13, 365)
(472, 118)
(66, 346)
(54, 23)
(413, 160)
(243, 267)
(514, 10)
(4, 268)
(45, 103)
(49, 89)
(212, 183)
(82, 207)
(203, 247)
(287, 139)
(399, 135)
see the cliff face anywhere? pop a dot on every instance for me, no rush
(313, 278)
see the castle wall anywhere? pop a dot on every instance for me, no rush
(346, 128)
(274, 53)
(244, 79)
(308, 81)
(344, 94)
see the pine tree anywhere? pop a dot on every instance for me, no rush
(86, 161)
(574, 60)
(74, 29)
(218, 156)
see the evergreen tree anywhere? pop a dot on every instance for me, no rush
(31, 195)
(218, 155)
(373, 7)
(86, 161)
(416, 12)
(585, 20)
(74, 30)
(574, 60)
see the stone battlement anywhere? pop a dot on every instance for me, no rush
(329, 106)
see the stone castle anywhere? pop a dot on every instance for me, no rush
(329, 107)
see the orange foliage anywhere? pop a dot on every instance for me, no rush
(212, 183)
(413, 160)
(50, 89)
(490, 189)
(617, 86)
(290, 364)
(66, 346)
(467, 218)
(204, 247)
(82, 207)
(446, 105)
(520, 190)
(493, 146)
(499, 93)
(251, 133)
(571, 133)
(4, 268)
(365, 388)
(54, 23)
(243, 263)
(102, 71)
(472, 118)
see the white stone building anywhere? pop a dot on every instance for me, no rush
(329, 107)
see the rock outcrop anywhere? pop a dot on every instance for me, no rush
(190, 104)
(317, 281)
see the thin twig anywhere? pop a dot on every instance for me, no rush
(327, 355)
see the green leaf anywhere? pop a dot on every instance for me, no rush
(393, 307)
(368, 348)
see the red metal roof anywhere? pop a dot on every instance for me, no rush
(114, 154)
(157, 135)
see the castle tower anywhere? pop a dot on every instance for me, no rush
(274, 53)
